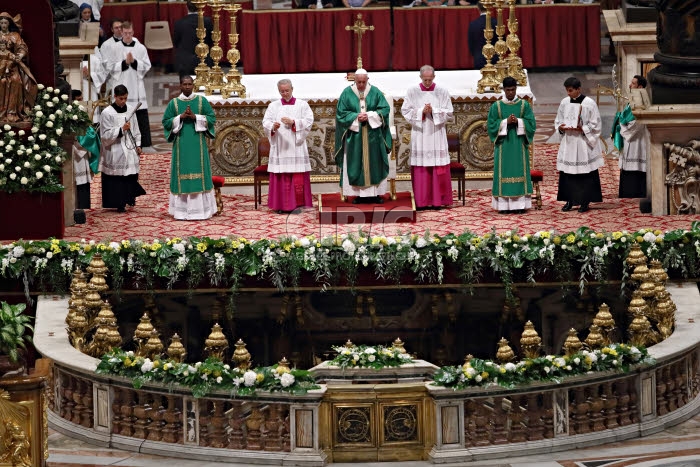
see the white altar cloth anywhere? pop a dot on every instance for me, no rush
(328, 86)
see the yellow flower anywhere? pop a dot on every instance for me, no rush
(217, 373)
(234, 244)
(616, 235)
(288, 247)
(503, 370)
(475, 240)
(657, 232)
(599, 235)
(281, 370)
(166, 366)
(436, 240)
(659, 240)
(202, 247)
(487, 236)
(126, 243)
(375, 240)
(156, 364)
(639, 238)
(297, 243)
(127, 362)
(55, 248)
(362, 240)
(87, 248)
(484, 374)
(556, 240)
(228, 250)
(516, 238)
(273, 245)
(220, 243)
(545, 234)
(571, 238)
(259, 377)
(156, 246)
(74, 247)
(318, 244)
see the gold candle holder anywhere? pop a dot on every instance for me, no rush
(514, 62)
(216, 74)
(489, 73)
(500, 46)
(202, 49)
(233, 84)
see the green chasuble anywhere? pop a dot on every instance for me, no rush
(511, 158)
(368, 163)
(190, 170)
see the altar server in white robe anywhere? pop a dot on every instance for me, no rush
(106, 50)
(129, 64)
(580, 153)
(428, 108)
(94, 76)
(119, 159)
(635, 150)
(287, 123)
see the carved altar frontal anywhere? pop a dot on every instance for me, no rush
(239, 121)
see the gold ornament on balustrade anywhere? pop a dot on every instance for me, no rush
(489, 74)
(153, 347)
(349, 344)
(638, 304)
(114, 339)
(142, 334)
(647, 288)
(657, 271)
(641, 332)
(636, 256)
(233, 86)
(605, 322)
(595, 339)
(640, 273)
(241, 357)
(530, 341)
(572, 344)
(98, 269)
(504, 354)
(468, 358)
(216, 344)
(284, 364)
(106, 316)
(176, 350)
(398, 345)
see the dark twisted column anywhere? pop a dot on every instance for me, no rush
(677, 79)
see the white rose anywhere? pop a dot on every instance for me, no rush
(49, 89)
(49, 255)
(69, 108)
(249, 378)
(42, 137)
(21, 132)
(52, 117)
(39, 175)
(46, 97)
(49, 105)
(81, 108)
(59, 131)
(40, 86)
(58, 112)
(13, 176)
(17, 168)
(58, 159)
(23, 180)
(287, 380)
(29, 151)
(37, 157)
(64, 97)
(2, 167)
(39, 113)
(35, 129)
(7, 128)
(47, 168)
(56, 91)
(53, 142)
(371, 358)
(74, 117)
(49, 124)
(27, 164)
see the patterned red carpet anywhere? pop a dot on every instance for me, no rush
(150, 219)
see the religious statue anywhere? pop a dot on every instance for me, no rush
(685, 175)
(16, 446)
(18, 87)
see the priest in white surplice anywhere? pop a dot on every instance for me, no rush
(428, 108)
(287, 123)
(129, 63)
(580, 154)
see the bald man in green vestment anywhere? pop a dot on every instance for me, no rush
(363, 141)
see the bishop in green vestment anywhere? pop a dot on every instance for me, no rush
(188, 122)
(363, 140)
(511, 126)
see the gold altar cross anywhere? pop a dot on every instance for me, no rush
(359, 28)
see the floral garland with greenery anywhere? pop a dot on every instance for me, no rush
(478, 373)
(579, 256)
(33, 161)
(203, 377)
(367, 356)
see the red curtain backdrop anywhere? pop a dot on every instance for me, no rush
(302, 41)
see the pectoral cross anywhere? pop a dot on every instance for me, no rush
(359, 28)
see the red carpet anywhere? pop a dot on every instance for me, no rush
(334, 211)
(149, 219)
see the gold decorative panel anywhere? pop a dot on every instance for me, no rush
(400, 423)
(354, 425)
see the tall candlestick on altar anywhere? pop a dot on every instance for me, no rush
(359, 28)
(233, 84)
(202, 49)
(216, 74)
(514, 62)
(501, 47)
(489, 74)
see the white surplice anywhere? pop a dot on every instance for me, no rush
(580, 153)
(636, 147)
(288, 150)
(81, 164)
(132, 78)
(107, 50)
(118, 156)
(429, 135)
(192, 206)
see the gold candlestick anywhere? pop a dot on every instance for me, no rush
(489, 74)
(359, 27)
(202, 49)
(233, 84)
(514, 62)
(500, 46)
(216, 74)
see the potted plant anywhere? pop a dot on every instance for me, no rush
(14, 325)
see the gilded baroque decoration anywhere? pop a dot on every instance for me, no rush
(505, 353)
(572, 344)
(530, 341)
(202, 49)
(241, 357)
(400, 422)
(16, 441)
(354, 425)
(683, 178)
(216, 344)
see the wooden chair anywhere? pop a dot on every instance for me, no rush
(457, 170)
(260, 173)
(537, 176)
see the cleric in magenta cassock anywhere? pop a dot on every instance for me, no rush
(363, 140)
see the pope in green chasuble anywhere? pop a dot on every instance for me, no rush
(511, 126)
(190, 167)
(362, 134)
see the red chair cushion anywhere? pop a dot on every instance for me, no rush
(260, 170)
(536, 175)
(218, 181)
(456, 166)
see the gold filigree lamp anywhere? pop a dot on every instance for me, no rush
(202, 49)
(106, 316)
(398, 345)
(78, 326)
(489, 74)
(114, 339)
(216, 74)
(283, 364)
(154, 346)
(530, 341)
(468, 358)
(640, 273)
(638, 304)
(241, 357)
(504, 354)
(98, 269)
(636, 256)
(640, 331)
(216, 344)
(142, 334)
(176, 351)
(572, 344)
(605, 322)
(595, 339)
(233, 84)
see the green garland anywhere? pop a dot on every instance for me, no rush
(203, 377)
(550, 368)
(580, 256)
(367, 356)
